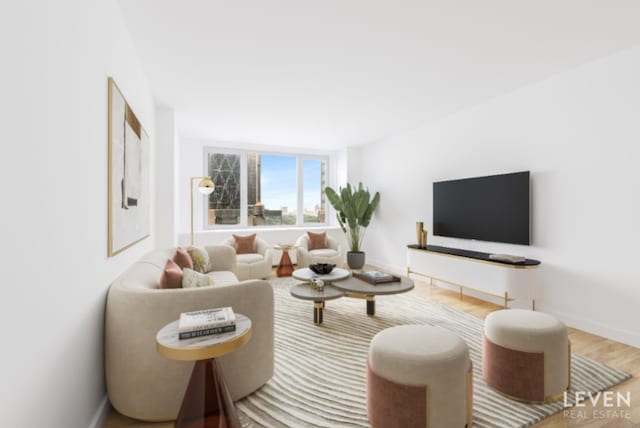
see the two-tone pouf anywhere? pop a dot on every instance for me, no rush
(419, 376)
(526, 355)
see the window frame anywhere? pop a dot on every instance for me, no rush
(244, 205)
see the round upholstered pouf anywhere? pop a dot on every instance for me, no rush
(526, 355)
(418, 376)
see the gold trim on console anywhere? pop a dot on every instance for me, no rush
(505, 298)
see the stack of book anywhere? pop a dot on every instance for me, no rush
(376, 277)
(206, 322)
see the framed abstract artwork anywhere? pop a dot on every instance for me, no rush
(129, 203)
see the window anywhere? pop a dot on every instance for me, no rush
(265, 189)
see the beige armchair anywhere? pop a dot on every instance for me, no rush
(333, 254)
(256, 265)
(140, 382)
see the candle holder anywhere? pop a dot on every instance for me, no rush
(421, 234)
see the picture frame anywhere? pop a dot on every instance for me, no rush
(129, 191)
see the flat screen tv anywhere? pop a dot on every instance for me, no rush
(493, 208)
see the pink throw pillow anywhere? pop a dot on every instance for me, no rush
(171, 275)
(183, 259)
(245, 244)
(317, 241)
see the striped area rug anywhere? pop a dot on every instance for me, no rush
(320, 375)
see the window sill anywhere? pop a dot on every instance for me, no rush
(271, 234)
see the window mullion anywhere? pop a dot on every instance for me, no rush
(300, 167)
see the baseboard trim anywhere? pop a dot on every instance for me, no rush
(101, 413)
(627, 337)
(402, 270)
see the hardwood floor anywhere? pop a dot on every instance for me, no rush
(598, 348)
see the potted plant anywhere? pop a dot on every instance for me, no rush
(354, 208)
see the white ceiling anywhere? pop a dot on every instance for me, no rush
(335, 73)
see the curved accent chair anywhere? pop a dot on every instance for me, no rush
(331, 254)
(256, 265)
(144, 385)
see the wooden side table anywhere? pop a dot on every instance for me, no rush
(207, 402)
(285, 267)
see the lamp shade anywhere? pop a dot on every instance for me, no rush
(206, 186)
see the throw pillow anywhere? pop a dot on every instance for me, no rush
(171, 276)
(183, 259)
(317, 241)
(200, 258)
(245, 244)
(192, 279)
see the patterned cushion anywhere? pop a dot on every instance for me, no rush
(200, 258)
(317, 241)
(192, 279)
(171, 276)
(182, 258)
(245, 244)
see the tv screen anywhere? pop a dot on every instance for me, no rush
(493, 208)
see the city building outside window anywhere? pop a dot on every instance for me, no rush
(275, 189)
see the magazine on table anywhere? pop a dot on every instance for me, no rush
(206, 332)
(207, 319)
(376, 277)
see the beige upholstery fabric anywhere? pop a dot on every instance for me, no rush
(419, 355)
(223, 277)
(305, 257)
(250, 258)
(144, 385)
(254, 265)
(533, 331)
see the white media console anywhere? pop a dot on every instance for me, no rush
(510, 284)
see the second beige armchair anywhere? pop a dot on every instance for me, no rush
(256, 264)
(307, 253)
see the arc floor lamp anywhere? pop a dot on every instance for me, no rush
(205, 186)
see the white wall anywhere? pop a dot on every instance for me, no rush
(168, 161)
(56, 60)
(348, 161)
(579, 135)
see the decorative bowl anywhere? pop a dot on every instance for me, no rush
(321, 268)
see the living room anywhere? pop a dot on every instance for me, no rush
(396, 96)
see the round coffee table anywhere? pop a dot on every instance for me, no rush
(206, 401)
(307, 291)
(354, 287)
